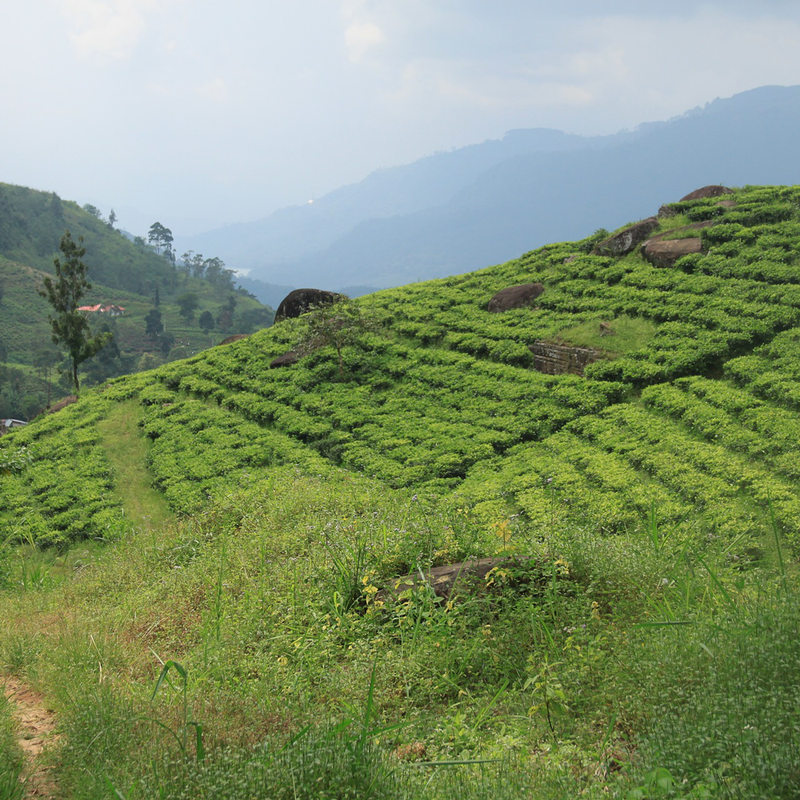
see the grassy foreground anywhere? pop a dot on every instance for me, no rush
(245, 653)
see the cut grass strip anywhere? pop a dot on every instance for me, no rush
(126, 449)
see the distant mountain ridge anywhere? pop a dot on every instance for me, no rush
(454, 212)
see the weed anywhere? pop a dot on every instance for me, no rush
(12, 786)
(181, 734)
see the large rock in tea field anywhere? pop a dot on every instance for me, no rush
(620, 244)
(286, 360)
(663, 253)
(515, 297)
(706, 191)
(237, 337)
(553, 358)
(300, 301)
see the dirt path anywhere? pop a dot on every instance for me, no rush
(36, 724)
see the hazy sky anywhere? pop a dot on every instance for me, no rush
(204, 112)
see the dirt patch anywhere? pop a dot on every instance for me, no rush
(36, 724)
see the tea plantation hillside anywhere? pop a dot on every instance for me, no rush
(205, 563)
(698, 412)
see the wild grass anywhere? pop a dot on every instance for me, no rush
(217, 657)
(629, 334)
(12, 786)
(127, 451)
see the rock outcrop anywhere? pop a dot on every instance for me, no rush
(444, 580)
(286, 360)
(665, 212)
(515, 297)
(606, 329)
(665, 254)
(235, 338)
(561, 359)
(620, 244)
(662, 252)
(300, 301)
(706, 191)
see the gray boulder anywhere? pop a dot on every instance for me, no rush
(286, 360)
(706, 191)
(515, 297)
(620, 244)
(301, 301)
(665, 254)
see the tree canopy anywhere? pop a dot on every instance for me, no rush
(64, 292)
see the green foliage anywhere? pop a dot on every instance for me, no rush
(188, 304)
(338, 325)
(12, 786)
(723, 716)
(206, 321)
(64, 293)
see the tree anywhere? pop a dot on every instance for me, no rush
(154, 325)
(165, 342)
(337, 325)
(110, 361)
(93, 210)
(46, 359)
(206, 321)
(217, 274)
(188, 303)
(161, 238)
(225, 318)
(255, 319)
(112, 218)
(64, 292)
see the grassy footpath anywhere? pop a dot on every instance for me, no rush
(126, 449)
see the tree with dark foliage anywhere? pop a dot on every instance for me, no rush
(64, 292)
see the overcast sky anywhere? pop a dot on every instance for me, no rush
(199, 113)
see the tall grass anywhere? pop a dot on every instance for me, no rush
(567, 675)
(12, 786)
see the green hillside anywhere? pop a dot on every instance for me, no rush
(123, 273)
(637, 638)
(33, 222)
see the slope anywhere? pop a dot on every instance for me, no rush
(636, 635)
(33, 222)
(123, 273)
(445, 398)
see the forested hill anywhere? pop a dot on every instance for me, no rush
(159, 301)
(33, 222)
(693, 405)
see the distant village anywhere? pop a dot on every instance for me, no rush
(110, 309)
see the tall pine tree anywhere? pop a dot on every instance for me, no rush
(64, 293)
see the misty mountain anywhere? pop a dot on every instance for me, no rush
(298, 231)
(487, 203)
